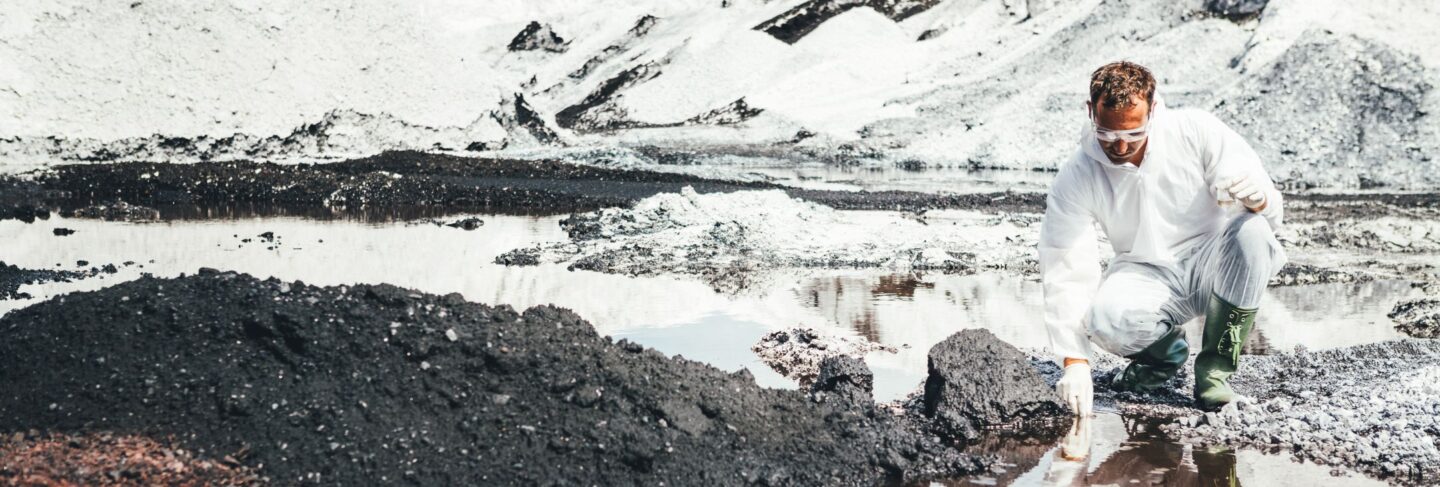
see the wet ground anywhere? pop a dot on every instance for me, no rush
(390, 241)
(909, 312)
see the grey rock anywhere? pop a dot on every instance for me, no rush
(1236, 9)
(846, 377)
(976, 381)
(537, 36)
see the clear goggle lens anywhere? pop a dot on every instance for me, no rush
(1135, 135)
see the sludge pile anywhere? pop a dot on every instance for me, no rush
(349, 385)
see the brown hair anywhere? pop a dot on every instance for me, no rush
(1117, 82)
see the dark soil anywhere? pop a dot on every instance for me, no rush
(397, 185)
(378, 384)
(974, 364)
(1336, 207)
(12, 277)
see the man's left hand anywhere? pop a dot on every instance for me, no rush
(1245, 190)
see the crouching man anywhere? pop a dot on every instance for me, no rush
(1191, 215)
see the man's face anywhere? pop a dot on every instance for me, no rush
(1132, 117)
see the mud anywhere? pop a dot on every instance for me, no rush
(377, 383)
(12, 277)
(392, 185)
(798, 352)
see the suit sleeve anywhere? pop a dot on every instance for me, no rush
(1069, 262)
(1226, 155)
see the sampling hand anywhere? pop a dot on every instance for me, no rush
(1076, 388)
(1244, 189)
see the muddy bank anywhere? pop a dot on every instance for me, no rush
(353, 384)
(1371, 408)
(405, 185)
(12, 277)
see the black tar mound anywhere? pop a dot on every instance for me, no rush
(403, 184)
(377, 384)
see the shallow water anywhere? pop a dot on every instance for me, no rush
(876, 177)
(683, 316)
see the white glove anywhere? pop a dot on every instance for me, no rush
(1076, 388)
(1245, 190)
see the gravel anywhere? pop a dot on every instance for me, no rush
(1371, 408)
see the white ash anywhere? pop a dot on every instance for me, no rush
(796, 353)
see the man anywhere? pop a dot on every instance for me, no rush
(1191, 215)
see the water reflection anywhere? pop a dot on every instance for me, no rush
(1108, 449)
(920, 310)
(884, 178)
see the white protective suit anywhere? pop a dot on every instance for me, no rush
(1172, 240)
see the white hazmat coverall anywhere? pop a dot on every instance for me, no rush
(1174, 244)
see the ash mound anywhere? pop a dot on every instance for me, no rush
(1331, 106)
(357, 384)
(715, 234)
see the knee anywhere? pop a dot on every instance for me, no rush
(1251, 236)
(1119, 326)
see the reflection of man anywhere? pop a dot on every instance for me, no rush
(1143, 460)
(1151, 178)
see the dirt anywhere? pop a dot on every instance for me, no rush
(401, 184)
(1419, 318)
(12, 277)
(361, 384)
(107, 459)
(797, 353)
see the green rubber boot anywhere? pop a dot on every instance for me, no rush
(1226, 328)
(1151, 368)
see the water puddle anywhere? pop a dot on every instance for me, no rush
(1112, 450)
(683, 316)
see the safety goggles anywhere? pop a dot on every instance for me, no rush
(1129, 136)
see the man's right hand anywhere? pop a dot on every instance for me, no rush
(1076, 388)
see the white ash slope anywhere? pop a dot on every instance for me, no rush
(1326, 90)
